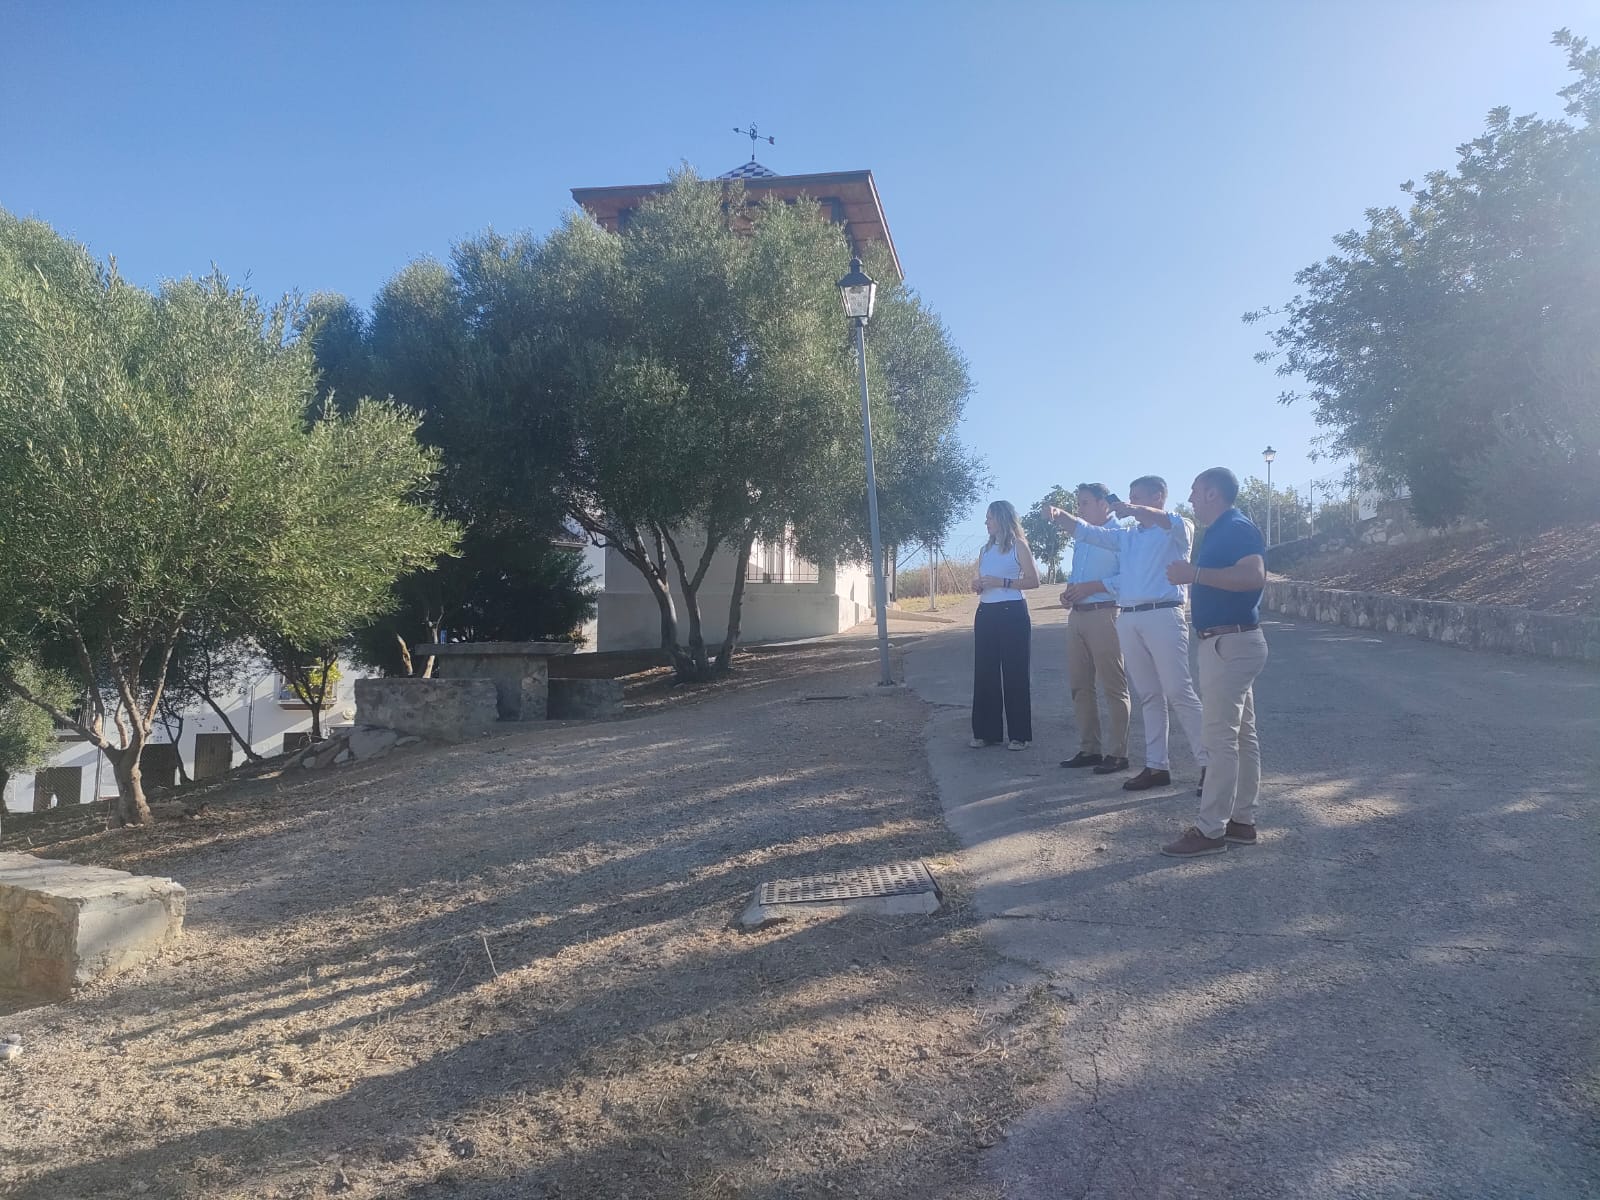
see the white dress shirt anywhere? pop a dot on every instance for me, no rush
(1143, 554)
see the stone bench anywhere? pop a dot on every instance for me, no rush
(448, 710)
(520, 670)
(62, 925)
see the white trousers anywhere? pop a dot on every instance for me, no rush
(1155, 651)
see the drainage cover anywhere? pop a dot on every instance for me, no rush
(894, 879)
(893, 888)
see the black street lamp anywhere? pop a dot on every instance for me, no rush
(859, 293)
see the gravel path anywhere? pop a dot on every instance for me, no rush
(1393, 995)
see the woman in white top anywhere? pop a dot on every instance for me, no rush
(1002, 705)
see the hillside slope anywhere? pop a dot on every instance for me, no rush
(1554, 571)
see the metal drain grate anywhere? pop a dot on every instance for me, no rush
(891, 879)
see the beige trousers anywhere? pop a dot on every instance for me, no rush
(1229, 665)
(1095, 654)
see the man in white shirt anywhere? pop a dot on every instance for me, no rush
(1151, 623)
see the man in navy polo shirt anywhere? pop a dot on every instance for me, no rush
(1225, 583)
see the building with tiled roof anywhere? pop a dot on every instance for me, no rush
(849, 198)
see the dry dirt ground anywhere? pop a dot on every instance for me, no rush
(1554, 571)
(506, 969)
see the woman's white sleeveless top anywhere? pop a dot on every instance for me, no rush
(1002, 564)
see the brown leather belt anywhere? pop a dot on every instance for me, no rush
(1219, 630)
(1096, 607)
(1156, 605)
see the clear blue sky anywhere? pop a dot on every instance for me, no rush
(1090, 193)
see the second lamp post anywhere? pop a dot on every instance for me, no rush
(1268, 455)
(859, 292)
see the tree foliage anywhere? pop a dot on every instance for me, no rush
(1290, 512)
(452, 344)
(700, 377)
(919, 383)
(27, 733)
(498, 588)
(336, 331)
(158, 472)
(1044, 538)
(1454, 345)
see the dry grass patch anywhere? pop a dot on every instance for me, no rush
(1554, 571)
(508, 969)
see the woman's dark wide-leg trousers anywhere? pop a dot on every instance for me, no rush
(1002, 704)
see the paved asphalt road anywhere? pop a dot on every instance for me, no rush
(1393, 994)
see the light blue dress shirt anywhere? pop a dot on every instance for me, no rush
(1143, 556)
(1095, 562)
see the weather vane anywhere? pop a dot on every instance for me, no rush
(755, 135)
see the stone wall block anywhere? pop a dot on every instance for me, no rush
(585, 699)
(449, 710)
(1469, 626)
(64, 924)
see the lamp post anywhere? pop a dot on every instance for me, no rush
(858, 292)
(1268, 455)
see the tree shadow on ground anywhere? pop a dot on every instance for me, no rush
(1382, 998)
(511, 963)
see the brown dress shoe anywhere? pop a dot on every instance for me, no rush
(1111, 766)
(1192, 844)
(1239, 834)
(1147, 779)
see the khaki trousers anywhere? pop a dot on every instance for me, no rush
(1095, 653)
(1229, 665)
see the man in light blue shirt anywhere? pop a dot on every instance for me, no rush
(1150, 621)
(1093, 651)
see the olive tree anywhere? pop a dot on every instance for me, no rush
(158, 472)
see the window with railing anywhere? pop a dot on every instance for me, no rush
(777, 562)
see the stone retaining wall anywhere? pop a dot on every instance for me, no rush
(449, 710)
(1473, 626)
(585, 699)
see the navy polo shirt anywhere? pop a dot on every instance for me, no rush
(1230, 537)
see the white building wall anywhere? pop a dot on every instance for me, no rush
(594, 559)
(256, 712)
(629, 618)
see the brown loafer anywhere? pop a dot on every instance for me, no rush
(1147, 779)
(1240, 834)
(1111, 766)
(1193, 843)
